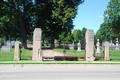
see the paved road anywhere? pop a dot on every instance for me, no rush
(59, 72)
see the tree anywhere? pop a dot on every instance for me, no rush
(58, 16)
(104, 33)
(21, 10)
(112, 15)
(83, 32)
(79, 35)
(74, 34)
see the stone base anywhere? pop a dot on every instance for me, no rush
(37, 59)
(98, 54)
(90, 59)
(78, 50)
(107, 58)
(16, 59)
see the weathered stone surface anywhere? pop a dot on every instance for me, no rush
(71, 46)
(89, 48)
(37, 51)
(79, 47)
(117, 44)
(16, 53)
(98, 48)
(106, 54)
(6, 48)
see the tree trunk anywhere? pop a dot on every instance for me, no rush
(59, 42)
(52, 41)
(24, 36)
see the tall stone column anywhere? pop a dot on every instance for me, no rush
(16, 53)
(106, 54)
(89, 47)
(37, 51)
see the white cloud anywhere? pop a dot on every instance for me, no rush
(100, 16)
(107, 15)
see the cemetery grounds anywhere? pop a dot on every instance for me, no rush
(26, 54)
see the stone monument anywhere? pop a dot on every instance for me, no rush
(37, 51)
(71, 46)
(79, 47)
(16, 54)
(117, 45)
(89, 47)
(98, 48)
(106, 54)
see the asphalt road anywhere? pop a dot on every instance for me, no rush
(60, 72)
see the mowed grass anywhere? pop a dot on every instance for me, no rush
(9, 56)
(114, 55)
(26, 55)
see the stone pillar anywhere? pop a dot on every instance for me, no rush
(79, 47)
(117, 45)
(106, 54)
(37, 51)
(16, 53)
(89, 47)
(98, 48)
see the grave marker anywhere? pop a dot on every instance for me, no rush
(79, 47)
(98, 48)
(37, 51)
(106, 54)
(16, 54)
(89, 47)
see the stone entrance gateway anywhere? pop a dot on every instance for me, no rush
(37, 51)
(89, 47)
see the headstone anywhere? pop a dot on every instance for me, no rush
(16, 54)
(73, 43)
(98, 48)
(6, 48)
(12, 43)
(37, 51)
(71, 46)
(111, 45)
(8, 43)
(117, 45)
(89, 47)
(106, 54)
(79, 47)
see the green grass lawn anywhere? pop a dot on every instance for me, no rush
(9, 56)
(114, 55)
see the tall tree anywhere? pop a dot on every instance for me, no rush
(57, 15)
(22, 11)
(112, 15)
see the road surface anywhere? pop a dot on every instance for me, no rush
(59, 72)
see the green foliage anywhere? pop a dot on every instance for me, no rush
(69, 39)
(79, 34)
(103, 34)
(109, 29)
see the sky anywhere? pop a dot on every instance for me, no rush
(90, 14)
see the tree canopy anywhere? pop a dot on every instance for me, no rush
(52, 16)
